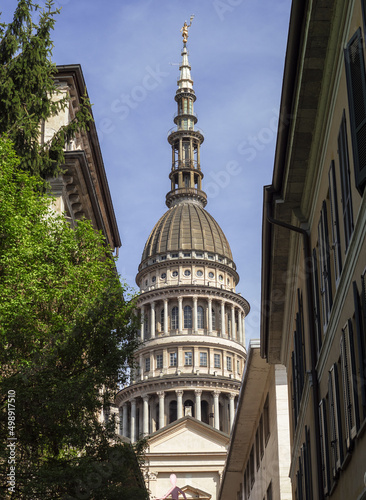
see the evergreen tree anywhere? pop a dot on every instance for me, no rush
(28, 94)
(67, 335)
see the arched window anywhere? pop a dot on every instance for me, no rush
(213, 319)
(200, 322)
(162, 320)
(174, 318)
(189, 404)
(146, 326)
(172, 411)
(187, 317)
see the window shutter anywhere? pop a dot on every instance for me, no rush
(324, 255)
(335, 420)
(317, 317)
(335, 222)
(349, 383)
(360, 344)
(345, 181)
(324, 445)
(356, 86)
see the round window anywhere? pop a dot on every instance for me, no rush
(153, 279)
(175, 274)
(199, 273)
(211, 275)
(187, 272)
(163, 276)
(221, 277)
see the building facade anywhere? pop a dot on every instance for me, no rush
(82, 191)
(192, 355)
(314, 249)
(258, 458)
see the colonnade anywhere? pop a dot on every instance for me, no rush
(230, 324)
(151, 422)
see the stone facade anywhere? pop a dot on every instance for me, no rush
(314, 249)
(258, 458)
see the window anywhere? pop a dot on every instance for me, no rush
(203, 358)
(213, 319)
(228, 363)
(199, 273)
(187, 317)
(298, 357)
(188, 358)
(317, 315)
(261, 445)
(210, 256)
(200, 313)
(163, 276)
(221, 278)
(153, 279)
(175, 274)
(174, 255)
(238, 366)
(174, 318)
(251, 466)
(360, 320)
(324, 265)
(187, 272)
(147, 364)
(199, 254)
(186, 255)
(159, 361)
(336, 245)
(335, 420)
(163, 257)
(217, 360)
(266, 420)
(356, 86)
(347, 210)
(173, 358)
(324, 445)
(257, 452)
(349, 375)
(211, 275)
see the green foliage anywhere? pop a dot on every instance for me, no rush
(26, 86)
(67, 334)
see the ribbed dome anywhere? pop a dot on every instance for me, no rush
(186, 226)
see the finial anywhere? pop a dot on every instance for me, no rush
(184, 30)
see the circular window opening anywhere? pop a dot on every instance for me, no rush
(163, 276)
(187, 272)
(210, 275)
(175, 274)
(199, 273)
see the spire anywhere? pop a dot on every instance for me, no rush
(185, 176)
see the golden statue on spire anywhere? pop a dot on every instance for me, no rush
(184, 30)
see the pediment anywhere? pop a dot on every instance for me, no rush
(196, 493)
(188, 435)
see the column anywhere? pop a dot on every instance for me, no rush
(231, 409)
(233, 332)
(209, 301)
(198, 393)
(152, 324)
(165, 316)
(133, 420)
(120, 414)
(142, 327)
(161, 395)
(223, 330)
(216, 395)
(243, 329)
(124, 420)
(179, 403)
(195, 319)
(145, 424)
(240, 325)
(180, 314)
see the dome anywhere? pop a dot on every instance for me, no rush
(186, 226)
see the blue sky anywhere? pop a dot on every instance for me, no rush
(129, 51)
